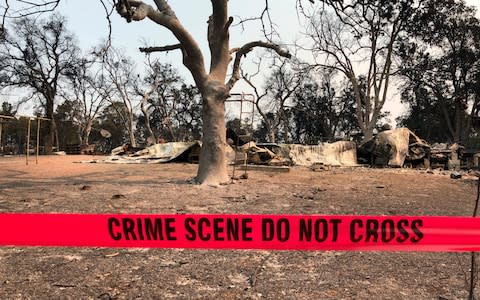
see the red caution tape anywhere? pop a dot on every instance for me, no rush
(279, 232)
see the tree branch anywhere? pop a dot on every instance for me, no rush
(160, 49)
(164, 16)
(108, 14)
(33, 7)
(244, 50)
(218, 39)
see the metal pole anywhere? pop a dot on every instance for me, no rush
(38, 139)
(28, 142)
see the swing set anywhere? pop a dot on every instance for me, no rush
(29, 121)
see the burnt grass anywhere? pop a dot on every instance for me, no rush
(57, 184)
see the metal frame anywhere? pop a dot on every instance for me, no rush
(243, 98)
(29, 118)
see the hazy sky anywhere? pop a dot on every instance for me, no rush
(89, 24)
(87, 20)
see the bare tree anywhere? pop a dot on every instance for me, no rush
(88, 87)
(188, 113)
(213, 85)
(272, 103)
(119, 73)
(352, 36)
(38, 56)
(159, 92)
(323, 110)
(152, 82)
(151, 139)
(17, 9)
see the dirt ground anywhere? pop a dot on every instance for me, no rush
(57, 184)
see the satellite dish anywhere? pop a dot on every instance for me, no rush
(105, 133)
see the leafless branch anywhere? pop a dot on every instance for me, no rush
(164, 16)
(160, 49)
(5, 13)
(268, 26)
(244, 50)
(108, 14)
(32, 8)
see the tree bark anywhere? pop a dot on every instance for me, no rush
(151, 139)
(285, 129)
(368, 133)
(271, 135)
(51, 127)
(86, 136)
(212, 169)
(459, 122)
(57, 140)
(131, 134)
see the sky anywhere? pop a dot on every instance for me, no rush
(89, 24)
(87, 20)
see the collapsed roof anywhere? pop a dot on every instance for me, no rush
(394, 147)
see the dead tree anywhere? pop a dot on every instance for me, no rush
(38, 57)
(87, 87)
(275, 96)
(118, 72)
(213, 84)
(153, 82)
(353, 36)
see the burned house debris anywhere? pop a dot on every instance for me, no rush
(391, 148)
(336, 154)
(446, 156)
(341, 153)
(158, 153)
(403, 148)
(395, 148)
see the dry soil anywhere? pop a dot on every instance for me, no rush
(57, 184)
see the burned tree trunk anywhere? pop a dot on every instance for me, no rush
(215, 90)
(212, 168)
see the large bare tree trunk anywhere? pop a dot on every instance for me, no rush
(458, 138)
(50, 139)
(212, 167)
(57, 140)
(367, 134)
